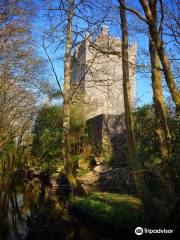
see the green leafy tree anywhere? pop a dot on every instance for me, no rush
(48, 133)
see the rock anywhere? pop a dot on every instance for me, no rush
(101, 169)
(108, 179)
(89, 180)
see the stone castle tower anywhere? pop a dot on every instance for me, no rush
(98, 78)
(99, 75)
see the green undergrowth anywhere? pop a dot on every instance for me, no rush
(117, 210)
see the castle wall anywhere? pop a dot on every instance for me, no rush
(103, 79)
(108, 134)
(103, 84)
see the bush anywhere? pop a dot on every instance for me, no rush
(47, 136)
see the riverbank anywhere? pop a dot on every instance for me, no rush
(109, 210)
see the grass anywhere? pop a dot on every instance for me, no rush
(117, 210)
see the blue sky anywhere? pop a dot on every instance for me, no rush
(143, 81)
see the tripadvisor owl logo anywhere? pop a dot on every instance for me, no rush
(139, 231)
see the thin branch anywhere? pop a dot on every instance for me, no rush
(162, 18)
(53, 69)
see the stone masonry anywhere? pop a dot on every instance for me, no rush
(99, 75)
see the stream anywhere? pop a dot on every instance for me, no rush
(31, 210)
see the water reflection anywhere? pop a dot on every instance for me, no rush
(31, 210)
(15, 207)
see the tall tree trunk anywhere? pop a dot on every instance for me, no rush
(75, 185)
(157, 47)
(162, 129)
(126, 90)
(67, 85)
(142, 188)
(156, 37)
